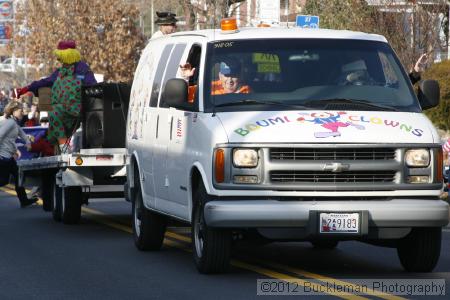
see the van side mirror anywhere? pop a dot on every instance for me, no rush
(175, 94)
(429, 94)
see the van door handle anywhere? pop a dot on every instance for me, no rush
(157, 126)
(171, 127)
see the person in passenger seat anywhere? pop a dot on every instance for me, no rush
(355, 73)
(419, 67)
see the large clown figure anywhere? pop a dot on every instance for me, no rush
(66, 84)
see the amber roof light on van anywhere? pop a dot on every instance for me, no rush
(229, 25)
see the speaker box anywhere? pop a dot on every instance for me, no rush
(104, 114)
(45, 99)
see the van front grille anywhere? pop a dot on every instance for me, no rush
(332, 154)
(327, 177)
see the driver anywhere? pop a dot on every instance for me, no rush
(229, 79)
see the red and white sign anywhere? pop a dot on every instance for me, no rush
(6, 10)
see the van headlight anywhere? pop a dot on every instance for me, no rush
(417, 158)
(245, 158)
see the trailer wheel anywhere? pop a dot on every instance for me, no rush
(148, 227)
(211, 246)
(419, 251)
(71, 204)
(47, 186)
(56, 202)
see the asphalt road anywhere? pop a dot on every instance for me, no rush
(96, 259)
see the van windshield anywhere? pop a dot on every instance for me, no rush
(305, 74)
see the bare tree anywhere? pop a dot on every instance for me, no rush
(411, 27)
(106, 32)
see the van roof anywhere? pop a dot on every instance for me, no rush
(281, 32)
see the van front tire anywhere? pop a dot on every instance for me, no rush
(419, 251)
(211, 247)
(148, 227)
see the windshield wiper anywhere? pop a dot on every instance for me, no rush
(252, 102)
(326, 102)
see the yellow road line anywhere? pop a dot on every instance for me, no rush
(178, 236)
(8, 191)
(329, 280)
(102, 218)
(303, 272)
(291, 279)
(13, 193)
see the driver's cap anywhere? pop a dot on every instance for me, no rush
(230, 67)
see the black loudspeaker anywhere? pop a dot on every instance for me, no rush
(104, 114)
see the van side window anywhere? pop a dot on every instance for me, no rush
(159, 74)
(172, 66)
(193, 60)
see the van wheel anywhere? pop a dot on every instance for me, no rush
(211, 246)
(148, 227)
(47, 192)
(71, 204)
(56, 202)
(325, 244)
(126, 191)
(419, 251)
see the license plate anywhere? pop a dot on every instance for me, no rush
(339, 223)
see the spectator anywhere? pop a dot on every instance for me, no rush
(9, 132)
(25, 111)
(3, 101)
(41, 146)
(33, 116)
(43, 119)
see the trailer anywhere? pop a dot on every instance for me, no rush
(66, 180)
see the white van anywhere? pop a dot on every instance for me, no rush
(284, 134)
(11, 64)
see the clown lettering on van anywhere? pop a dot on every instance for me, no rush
(333, 123)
